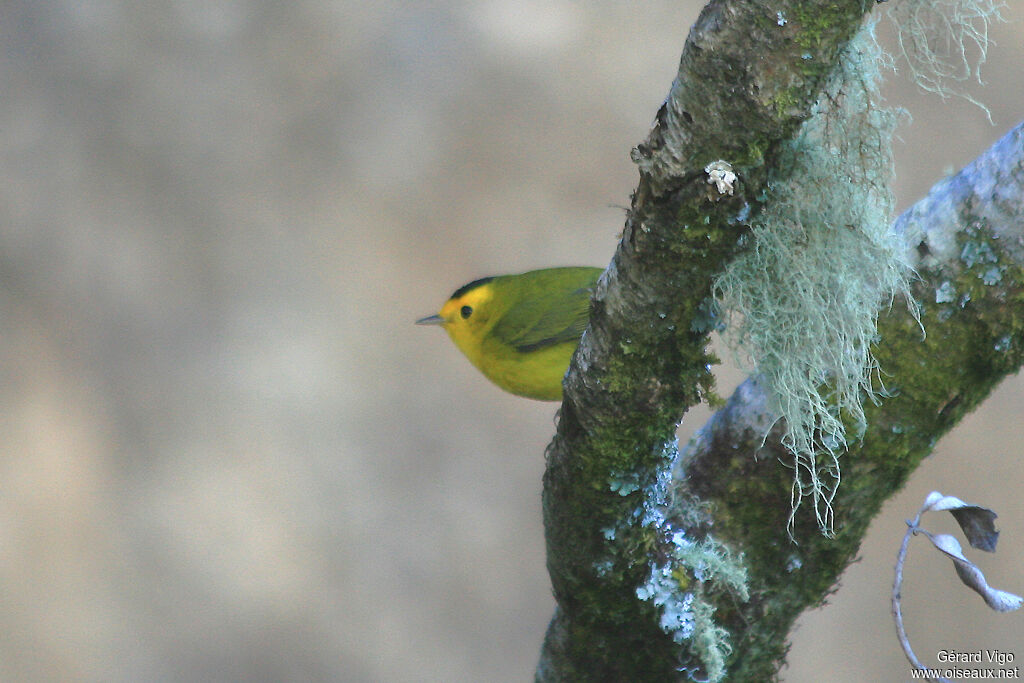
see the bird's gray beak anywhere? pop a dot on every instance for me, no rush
(431, 320)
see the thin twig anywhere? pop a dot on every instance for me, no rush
(912, 528)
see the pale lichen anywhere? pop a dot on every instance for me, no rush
(678, 575)
(804, 298)
(806, 295)
(721, 175)
(944, 43)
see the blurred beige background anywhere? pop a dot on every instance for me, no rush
(227, 452)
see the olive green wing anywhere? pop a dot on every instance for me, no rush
(538, 322)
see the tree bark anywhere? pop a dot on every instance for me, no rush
(618, 498)
(967, 240)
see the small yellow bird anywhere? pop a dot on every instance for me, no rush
(521, 330)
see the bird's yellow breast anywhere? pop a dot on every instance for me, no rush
(537, 374)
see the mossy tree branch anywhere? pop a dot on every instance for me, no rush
(967, 237)
(747, 78)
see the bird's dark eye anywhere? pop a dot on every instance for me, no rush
(466, 312)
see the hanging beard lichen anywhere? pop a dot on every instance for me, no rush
(822, 261)
(943, 43)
